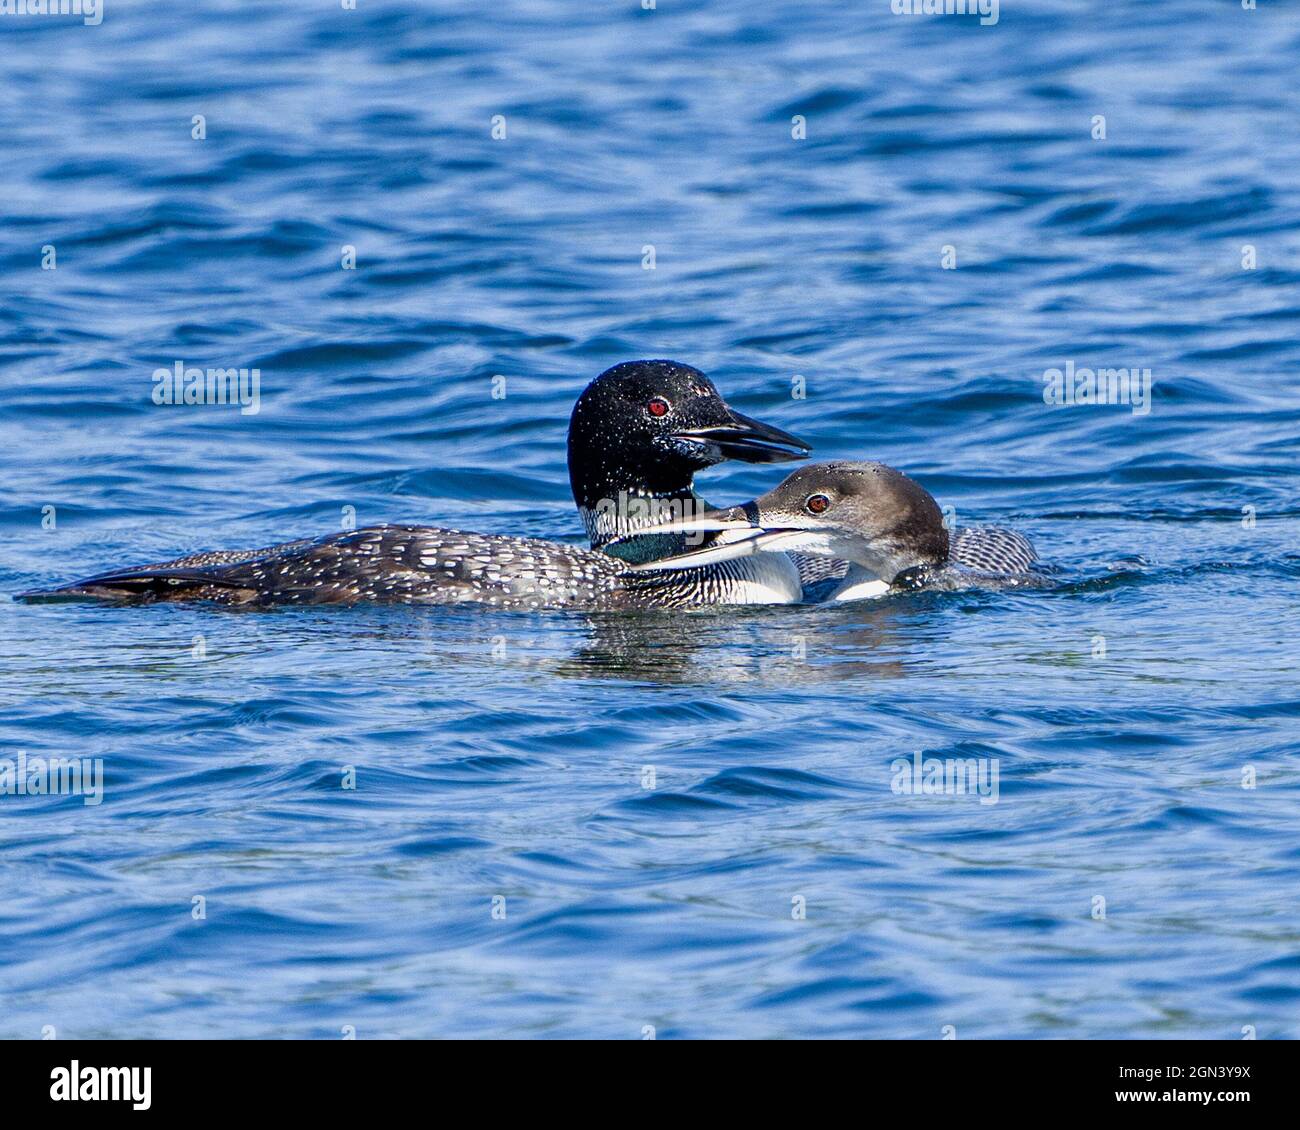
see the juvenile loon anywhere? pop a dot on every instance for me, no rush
(886, 526)
(638, 434)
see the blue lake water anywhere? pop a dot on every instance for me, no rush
(772, 882)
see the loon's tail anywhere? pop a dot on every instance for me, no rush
(139, 585)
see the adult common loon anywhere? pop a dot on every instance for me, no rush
(886, 526)
(638, 434)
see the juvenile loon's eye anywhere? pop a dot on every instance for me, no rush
(658, 407)
(817, 504)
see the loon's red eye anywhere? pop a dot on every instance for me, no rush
(818, 504)
(658, 407)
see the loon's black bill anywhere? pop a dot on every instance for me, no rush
(750, 440)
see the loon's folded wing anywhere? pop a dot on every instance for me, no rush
(992, 549)
(980, 557)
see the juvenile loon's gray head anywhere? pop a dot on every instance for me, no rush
(641, 430)
(866, 513)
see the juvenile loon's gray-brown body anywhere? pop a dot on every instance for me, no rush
(638, 434)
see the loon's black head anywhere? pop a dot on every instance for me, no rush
(643, 428)
(866, 513)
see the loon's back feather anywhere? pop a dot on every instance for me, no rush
(207, 557)
(409, 564)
